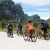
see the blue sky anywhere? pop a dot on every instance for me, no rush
(40, 7)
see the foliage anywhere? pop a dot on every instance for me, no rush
(48, 24)
(36, 24)
(35, 17)
(9, 11)
(48, 20)
(3, 24)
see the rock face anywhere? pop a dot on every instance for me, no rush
(9, 8)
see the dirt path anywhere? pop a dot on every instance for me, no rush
(18, 43)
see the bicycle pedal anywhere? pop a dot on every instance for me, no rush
(25, 39)
(28, 39)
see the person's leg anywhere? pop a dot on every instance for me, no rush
(8, 33)
(45, 30)
(18, 30)
(31, 32)
(28, 34)
(12, 32)
(41, 30)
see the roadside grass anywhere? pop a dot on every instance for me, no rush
(5, 30)
(24, 29)
(14, 30)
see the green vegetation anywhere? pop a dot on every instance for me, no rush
(9, 11)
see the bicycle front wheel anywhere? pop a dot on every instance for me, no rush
(25, 36)
(39, 35)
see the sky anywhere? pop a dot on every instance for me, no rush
(32, 7)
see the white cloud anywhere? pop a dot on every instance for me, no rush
(33, 2)
(36, 4)
(43, 15)
(39, 13)
(42, 9)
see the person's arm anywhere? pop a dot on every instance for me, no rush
(7, 25)
(39, 26)
(26, 26)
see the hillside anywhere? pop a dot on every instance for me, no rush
(9, 11)
(48, 20)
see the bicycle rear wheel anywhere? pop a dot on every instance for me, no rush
(33, 37)
(8, 34)
(47, 36)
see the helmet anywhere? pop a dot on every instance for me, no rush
(29, 21)
(10, 23)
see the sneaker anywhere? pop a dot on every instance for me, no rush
(28, 39)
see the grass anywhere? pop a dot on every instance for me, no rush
(15, 30)
(5, 30)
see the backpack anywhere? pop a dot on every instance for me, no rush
(20, 25)
(10, 27)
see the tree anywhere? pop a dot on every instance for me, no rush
(3, 24)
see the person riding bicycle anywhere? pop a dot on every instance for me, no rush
(10, 27)
(30, 28)
(19, 26)
(43, 26)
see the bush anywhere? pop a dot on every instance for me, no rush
(3, 24)
(36, 24)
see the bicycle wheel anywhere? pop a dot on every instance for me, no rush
(17, 32)
(47, 36)
(25, 36)
(21, 33)
(8, 34)
(39, 35)
(33, 37)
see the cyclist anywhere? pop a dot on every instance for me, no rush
(19, 26)
(30, 28)
(10, 27)
(44, 27)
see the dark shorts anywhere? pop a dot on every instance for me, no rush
(9, 30)
(19, 29)
(45, 29)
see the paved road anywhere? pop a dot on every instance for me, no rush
(18, 43)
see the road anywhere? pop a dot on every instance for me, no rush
(18, 43)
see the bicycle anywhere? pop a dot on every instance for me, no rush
(33, 36)
(19, 32)
(10, 33)
(44, 35)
